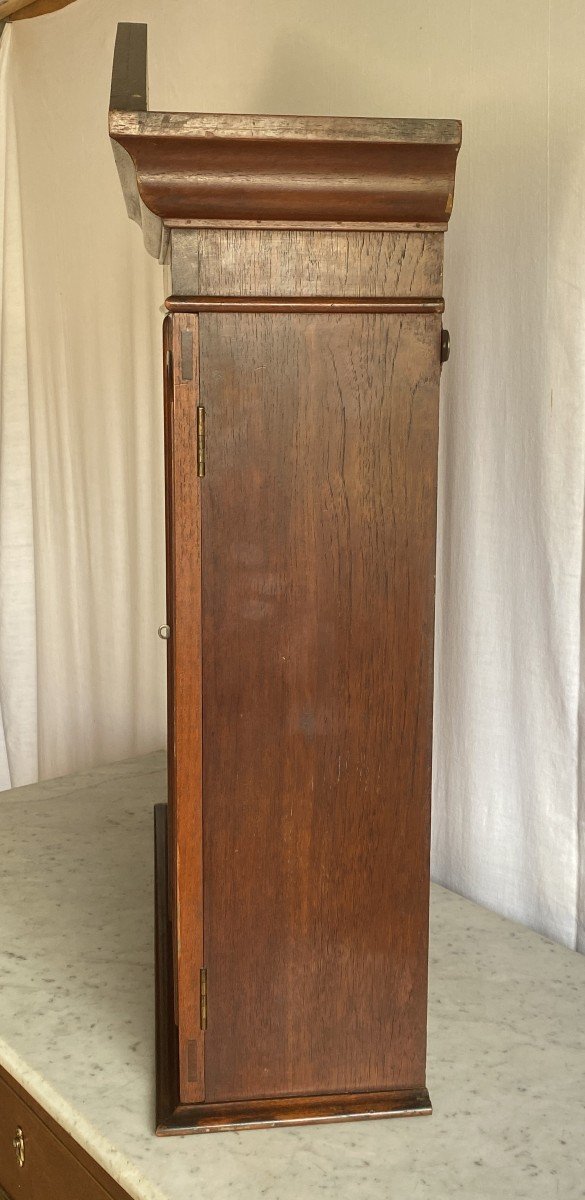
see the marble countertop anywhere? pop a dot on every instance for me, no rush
(506, 1028)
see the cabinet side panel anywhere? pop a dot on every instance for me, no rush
(319, 507)
(185, 728)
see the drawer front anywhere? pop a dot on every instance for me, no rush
(49, 1170)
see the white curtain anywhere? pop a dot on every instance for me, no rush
(93, 352)
(509, 812)
(18, 653)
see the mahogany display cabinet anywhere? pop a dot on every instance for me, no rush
(302, 358)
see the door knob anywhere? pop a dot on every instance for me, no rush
(164, 632)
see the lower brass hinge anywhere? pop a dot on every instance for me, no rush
(203, 997)
(200, 441)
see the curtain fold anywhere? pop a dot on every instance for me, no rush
(93, 321)
(18, 666)
(508, 797)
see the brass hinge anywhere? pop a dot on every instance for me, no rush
(200, 441)
(203, 997)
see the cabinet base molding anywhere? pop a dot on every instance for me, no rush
(172, 1117)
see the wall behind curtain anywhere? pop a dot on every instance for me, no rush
(508, 807)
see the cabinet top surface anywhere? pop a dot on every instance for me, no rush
(281, 127)
(77, 1027)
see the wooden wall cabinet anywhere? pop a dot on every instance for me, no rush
(302, 357)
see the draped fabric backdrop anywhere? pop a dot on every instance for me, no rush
(18, 667)
(81, 487)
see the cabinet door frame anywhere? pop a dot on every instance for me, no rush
(183, 530)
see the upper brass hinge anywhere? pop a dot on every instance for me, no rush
(200, 441)
(203, 997)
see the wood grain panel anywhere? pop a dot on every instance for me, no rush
(260, 262)
(172, 1117)
(184, 599)
(318, 596)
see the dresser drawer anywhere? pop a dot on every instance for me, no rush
(35, 1164)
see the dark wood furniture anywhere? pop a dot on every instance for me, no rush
(302, 356)
(39, 1160)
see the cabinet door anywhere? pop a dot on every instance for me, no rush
(317, 592)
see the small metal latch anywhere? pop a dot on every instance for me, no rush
(18, 1143)
(200, 441)
(164, 632)
(445, 345)
(203, 997)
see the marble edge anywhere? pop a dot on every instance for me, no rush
(61, 786)
(117, 1165)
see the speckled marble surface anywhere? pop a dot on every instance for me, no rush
(506, 1028)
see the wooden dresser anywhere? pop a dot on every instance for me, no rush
(302, 359)
(39, 1160)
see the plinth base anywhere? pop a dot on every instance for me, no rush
(172, 1117)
